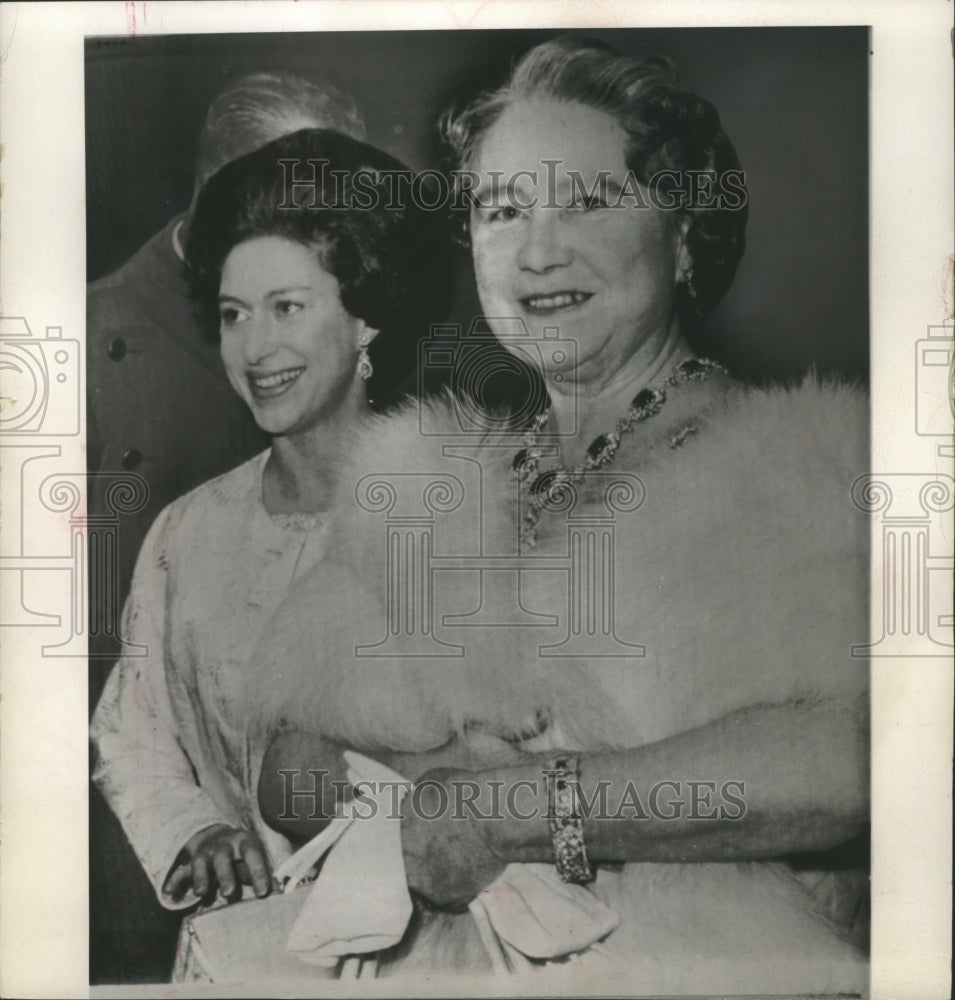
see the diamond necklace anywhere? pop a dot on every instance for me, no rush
(547, 485)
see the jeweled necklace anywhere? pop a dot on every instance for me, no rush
(546, 485)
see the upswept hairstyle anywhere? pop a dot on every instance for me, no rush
(255, 109)
(668, 129)
(390, 256)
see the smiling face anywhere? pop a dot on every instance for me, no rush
(602, 268)
(289, 346)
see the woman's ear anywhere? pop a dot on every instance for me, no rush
(366, 334)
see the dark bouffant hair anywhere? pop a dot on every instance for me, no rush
(390, 256)
(668, 129)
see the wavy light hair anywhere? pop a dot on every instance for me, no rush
(668, 128)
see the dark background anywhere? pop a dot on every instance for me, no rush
(793, 100)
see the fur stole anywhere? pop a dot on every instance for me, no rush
(743, 574)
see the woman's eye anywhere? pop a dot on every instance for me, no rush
(286, 307)
(229, 316)
(506, 213)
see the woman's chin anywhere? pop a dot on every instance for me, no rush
(274, 423)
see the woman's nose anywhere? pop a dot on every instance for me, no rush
(259, 339)
(544, 246)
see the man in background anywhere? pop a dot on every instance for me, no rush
(159, 407)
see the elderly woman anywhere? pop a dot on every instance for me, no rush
(660, 784)
(307, 301)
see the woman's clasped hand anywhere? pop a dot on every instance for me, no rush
(448, 856)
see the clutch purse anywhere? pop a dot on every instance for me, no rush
(244, 943)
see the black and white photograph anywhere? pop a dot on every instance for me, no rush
(484, 564)
(680, 641)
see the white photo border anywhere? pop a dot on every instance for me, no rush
(43, 927)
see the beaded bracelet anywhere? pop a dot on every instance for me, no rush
(566, 829)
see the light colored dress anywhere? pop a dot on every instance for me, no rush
(170, 731)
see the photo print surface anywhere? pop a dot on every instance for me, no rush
(592, 532)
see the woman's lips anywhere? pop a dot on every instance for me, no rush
(273, 384)
(554, 302)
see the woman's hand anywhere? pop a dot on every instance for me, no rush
(447, 857)
(220, 857)
(303, 781)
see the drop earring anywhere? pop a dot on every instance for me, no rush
(688, 281)
(365, 369)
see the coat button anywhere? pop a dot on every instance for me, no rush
(131, 459)
(117, 349)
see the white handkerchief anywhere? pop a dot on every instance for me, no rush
(542, 917)
(299, 865)
(360, 901)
